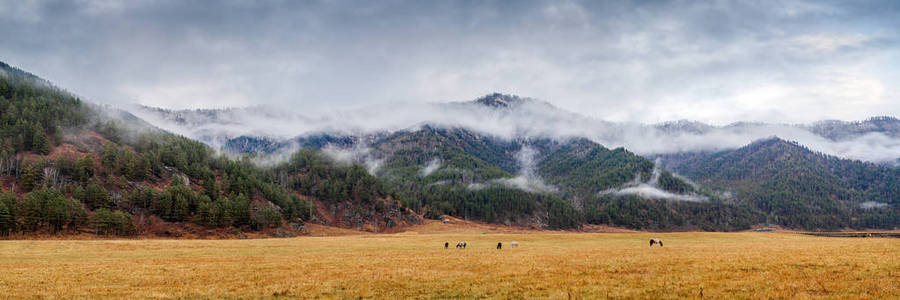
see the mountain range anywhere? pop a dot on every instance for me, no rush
(499, 159)
(243, 130)
(551, 165)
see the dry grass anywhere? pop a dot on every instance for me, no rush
(546, 265)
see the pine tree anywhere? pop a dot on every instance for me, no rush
(143, 169)
(77, 214)
(84, 169)
(109, 158)
(39, 143)
(11, 202)
(7, 222)
(31, 177)
(112, 223)
(210, 188)
(57, 212)
(95, 196)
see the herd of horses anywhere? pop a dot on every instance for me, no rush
(462, 245)
(514, 244)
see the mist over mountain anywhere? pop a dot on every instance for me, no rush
(832, 174)
(794, 185)
(70, 166)
(511, 117)
(841, 130)
(498, 159)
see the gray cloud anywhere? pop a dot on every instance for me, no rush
(780, 61)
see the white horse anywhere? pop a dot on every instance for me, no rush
(514, 244)
(655, 241)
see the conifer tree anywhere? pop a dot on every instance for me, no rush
(39, 143)
(31, 177)
(7, 222)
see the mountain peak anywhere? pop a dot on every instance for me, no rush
(775, 141)
(694, 127)
(498, 100)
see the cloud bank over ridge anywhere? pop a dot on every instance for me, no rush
(526, 118)
(623, 61)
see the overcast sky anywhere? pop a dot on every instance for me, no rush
(643, 61)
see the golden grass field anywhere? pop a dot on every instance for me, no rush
(411, 265)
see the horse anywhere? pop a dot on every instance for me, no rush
(446, 245)
(655, 241)
(514, 244)
(461, 245)
(499, 245)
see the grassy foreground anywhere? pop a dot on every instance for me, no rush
(546, 265)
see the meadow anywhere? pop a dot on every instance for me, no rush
(411, 265)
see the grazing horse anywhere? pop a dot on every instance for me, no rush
(499, 245)
(446, 245)
(461, 245)
(514, 244)
(655, 241)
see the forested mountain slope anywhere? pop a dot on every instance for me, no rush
(552, 182)
(585, 168)
(465, 174)
(472, 156)
(618, 188)
(67, 166)
(799, 188)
